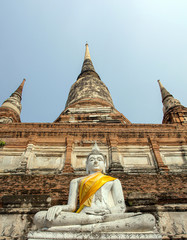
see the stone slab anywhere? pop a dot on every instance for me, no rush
(39, 235)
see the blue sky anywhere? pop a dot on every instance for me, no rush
(132, 43)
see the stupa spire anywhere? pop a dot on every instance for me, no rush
(164, 92)
(89, 99)
(88, 84)
(174, 111)
(19, 90)
(167, 99)
(87, 64)
(10, 110)
(87, 52)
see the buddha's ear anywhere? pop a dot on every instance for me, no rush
(104, 170)
(87, 171)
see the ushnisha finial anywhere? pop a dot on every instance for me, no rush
(95, 149)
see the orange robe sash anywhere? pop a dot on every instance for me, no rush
(89, 186)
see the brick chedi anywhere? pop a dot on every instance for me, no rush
(88, 84)
(40, 159)
(174, 111)
(10, 110)
(89, 99)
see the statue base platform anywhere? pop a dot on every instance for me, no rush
(39, 235)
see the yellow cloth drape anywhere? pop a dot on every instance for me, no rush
(89, 185)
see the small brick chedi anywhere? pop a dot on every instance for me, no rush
(39, 160)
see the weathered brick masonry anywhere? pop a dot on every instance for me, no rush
(164, 188)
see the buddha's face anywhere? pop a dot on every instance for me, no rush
(95, 163)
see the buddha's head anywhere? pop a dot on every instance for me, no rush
(96, 161)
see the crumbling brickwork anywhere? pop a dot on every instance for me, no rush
(165, 188)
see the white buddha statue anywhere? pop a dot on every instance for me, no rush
(101, 205)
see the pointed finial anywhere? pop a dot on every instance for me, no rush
(87, 64)
(11, 107)
(167, 99)
(164, 92)
(20, 88)
(87, 52)
(160, 84)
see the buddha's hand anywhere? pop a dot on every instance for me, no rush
(97, 211)
(102, 212)
(117, 209)
(54, 211)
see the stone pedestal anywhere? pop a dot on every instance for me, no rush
(39, 235)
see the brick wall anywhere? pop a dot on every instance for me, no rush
(160, 189)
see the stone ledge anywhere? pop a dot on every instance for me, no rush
(38, 235)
